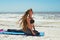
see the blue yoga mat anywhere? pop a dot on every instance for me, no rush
(18, 33)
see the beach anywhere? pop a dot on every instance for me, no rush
(50, 34)
(47, 23)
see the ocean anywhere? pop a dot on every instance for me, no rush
(42, 19)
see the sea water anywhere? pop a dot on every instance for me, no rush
(42, 19)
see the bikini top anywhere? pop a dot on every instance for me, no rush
(31, 21)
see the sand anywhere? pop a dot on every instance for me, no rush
(51, 33)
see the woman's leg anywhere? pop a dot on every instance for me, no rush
(28, 32)
(14, 30)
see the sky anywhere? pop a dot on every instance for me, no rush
(36, 5)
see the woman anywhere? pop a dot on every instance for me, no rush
(27, 23)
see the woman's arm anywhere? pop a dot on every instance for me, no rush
(33, 27)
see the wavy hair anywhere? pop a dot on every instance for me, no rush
(24, 20)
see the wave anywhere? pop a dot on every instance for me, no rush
(40, 19)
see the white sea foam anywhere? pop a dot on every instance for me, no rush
(40, 19)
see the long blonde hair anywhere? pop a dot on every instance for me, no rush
(24, 20)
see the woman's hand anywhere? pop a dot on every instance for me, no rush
(33, 33)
